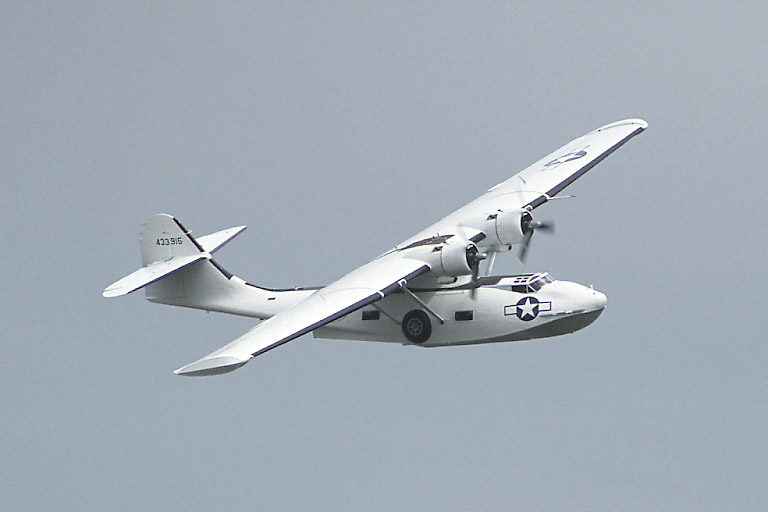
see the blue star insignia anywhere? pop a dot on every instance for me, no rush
(527, 308)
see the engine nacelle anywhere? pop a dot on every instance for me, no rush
(453, 259)
(509, 227)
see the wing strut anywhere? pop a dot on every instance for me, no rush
(419, 301)
(491, 260)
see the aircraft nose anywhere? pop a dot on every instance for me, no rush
(595, 299)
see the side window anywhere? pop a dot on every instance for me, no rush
(371, 315)
(463, 316)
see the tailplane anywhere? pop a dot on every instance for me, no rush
(178, 270)
(167, 247)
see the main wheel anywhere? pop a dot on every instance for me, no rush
(416, 326)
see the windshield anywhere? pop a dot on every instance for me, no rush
(526, 283)
(544, 279)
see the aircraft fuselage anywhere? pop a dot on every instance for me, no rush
(495, 313)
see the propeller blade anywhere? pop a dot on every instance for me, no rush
(546, 225)
(524, 247)
(529, 228)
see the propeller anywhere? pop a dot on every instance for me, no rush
(474, 257)
(529, 226)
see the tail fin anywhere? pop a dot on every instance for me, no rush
(178, 270)
(166, 247)
(163, 238)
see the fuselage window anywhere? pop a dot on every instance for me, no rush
(463, 316)
(371, 315)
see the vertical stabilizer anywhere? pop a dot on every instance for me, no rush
(177, 269)
(163, 237)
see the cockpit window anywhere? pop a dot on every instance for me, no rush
(527, 283)
(542, 280)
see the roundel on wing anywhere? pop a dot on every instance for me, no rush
(573, 155)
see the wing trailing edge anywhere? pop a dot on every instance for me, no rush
(361, 287)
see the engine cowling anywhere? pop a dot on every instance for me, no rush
(510, 227)
(453, 259)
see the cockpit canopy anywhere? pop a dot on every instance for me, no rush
(525, 283)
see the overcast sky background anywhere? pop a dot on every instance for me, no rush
(335, 131)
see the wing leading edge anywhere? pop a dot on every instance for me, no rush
(362, 287)
(536, 184)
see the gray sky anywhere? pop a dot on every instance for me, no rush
(335, 131)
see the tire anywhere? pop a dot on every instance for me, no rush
(416, 326)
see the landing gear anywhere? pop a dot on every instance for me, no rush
(416, 326)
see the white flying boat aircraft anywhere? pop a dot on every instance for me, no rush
(426, 291)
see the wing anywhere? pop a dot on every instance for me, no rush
(527, 189)
(536, 184)
(357, 289)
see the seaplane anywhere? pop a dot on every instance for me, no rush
(426, 291)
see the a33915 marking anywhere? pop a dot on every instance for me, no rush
(169, 241)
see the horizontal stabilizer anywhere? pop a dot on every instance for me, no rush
(150, 274)
(215, 241)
